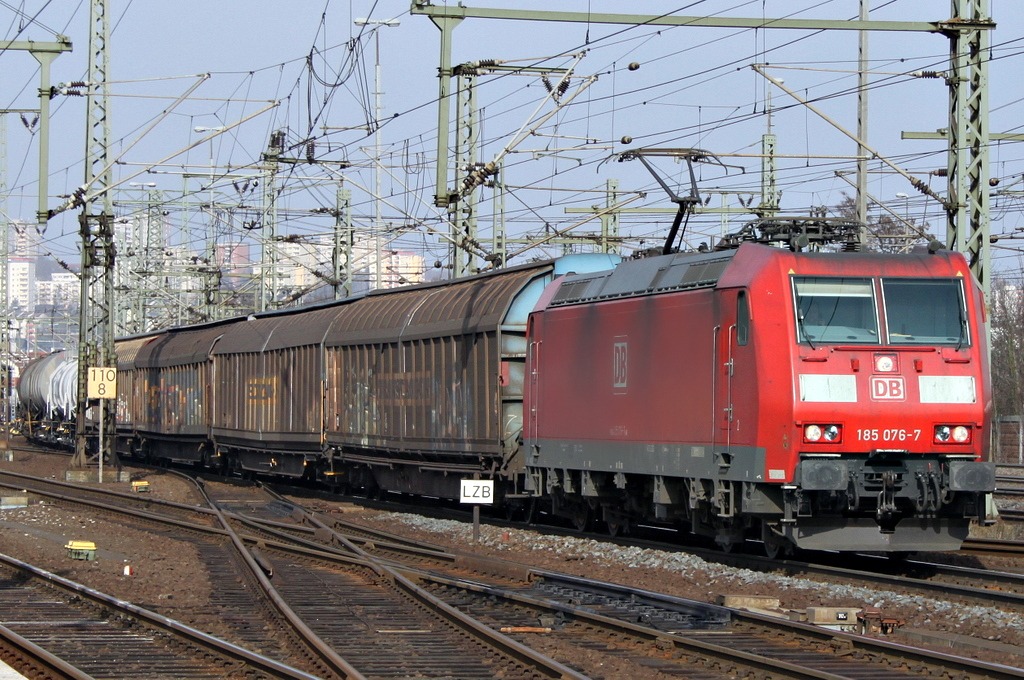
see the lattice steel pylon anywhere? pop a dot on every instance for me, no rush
(96, 320)
(968, 222)
(464, 220)
(5, 328)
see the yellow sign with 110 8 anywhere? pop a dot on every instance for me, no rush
(102, 383)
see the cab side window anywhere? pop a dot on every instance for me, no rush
(742, 319)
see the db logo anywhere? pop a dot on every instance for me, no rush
(619, 366)
(892, 389)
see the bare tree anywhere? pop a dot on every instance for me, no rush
(1006, 319)
(887, 234)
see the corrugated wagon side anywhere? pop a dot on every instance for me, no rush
(172, 420)
(425, 385)
(268, 391)
(131, 391)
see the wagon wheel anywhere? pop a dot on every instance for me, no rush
(530, 511)
(581, 518)
(619, 528)
(773, 543)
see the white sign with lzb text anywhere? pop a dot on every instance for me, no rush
(479, 491)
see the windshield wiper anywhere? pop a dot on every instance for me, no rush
(803, 331)
(963, 325)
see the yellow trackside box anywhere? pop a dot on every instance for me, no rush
(81, 550)
(140, 487)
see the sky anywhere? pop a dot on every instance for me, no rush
(306, 68)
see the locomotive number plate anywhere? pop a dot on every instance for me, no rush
(890, 435)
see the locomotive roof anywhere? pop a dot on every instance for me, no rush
(688, 271)
(662, 274)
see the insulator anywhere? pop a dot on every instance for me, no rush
(310, 151)
(563, 86)
(547, 83)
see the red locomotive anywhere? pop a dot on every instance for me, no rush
(825, 400)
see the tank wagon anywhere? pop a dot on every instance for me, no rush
(827, 400)
(47, 394)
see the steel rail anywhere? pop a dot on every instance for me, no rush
(470, 625)
(992, 546)
(157, 621)
(825, 636)
(29, 650)
(908, 654)
(325, 652)
(132, 498)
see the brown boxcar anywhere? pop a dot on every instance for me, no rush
(268, 390)
(131, 393)
(171, 418)
(425, 384)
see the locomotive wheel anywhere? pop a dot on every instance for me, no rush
(773, 543)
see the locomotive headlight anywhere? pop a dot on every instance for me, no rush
(952, 434)
(822, 433)
(885, 363)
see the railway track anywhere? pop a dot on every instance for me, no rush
(957, 584)
(627, 604)
(105, 498)
(295, 605)
(338, 559)
(424, 636)
(654, 633)
(236, 611)
(84, 634)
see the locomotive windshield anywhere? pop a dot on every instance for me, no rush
(839, 310)
(925, 311)
(835, 310)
